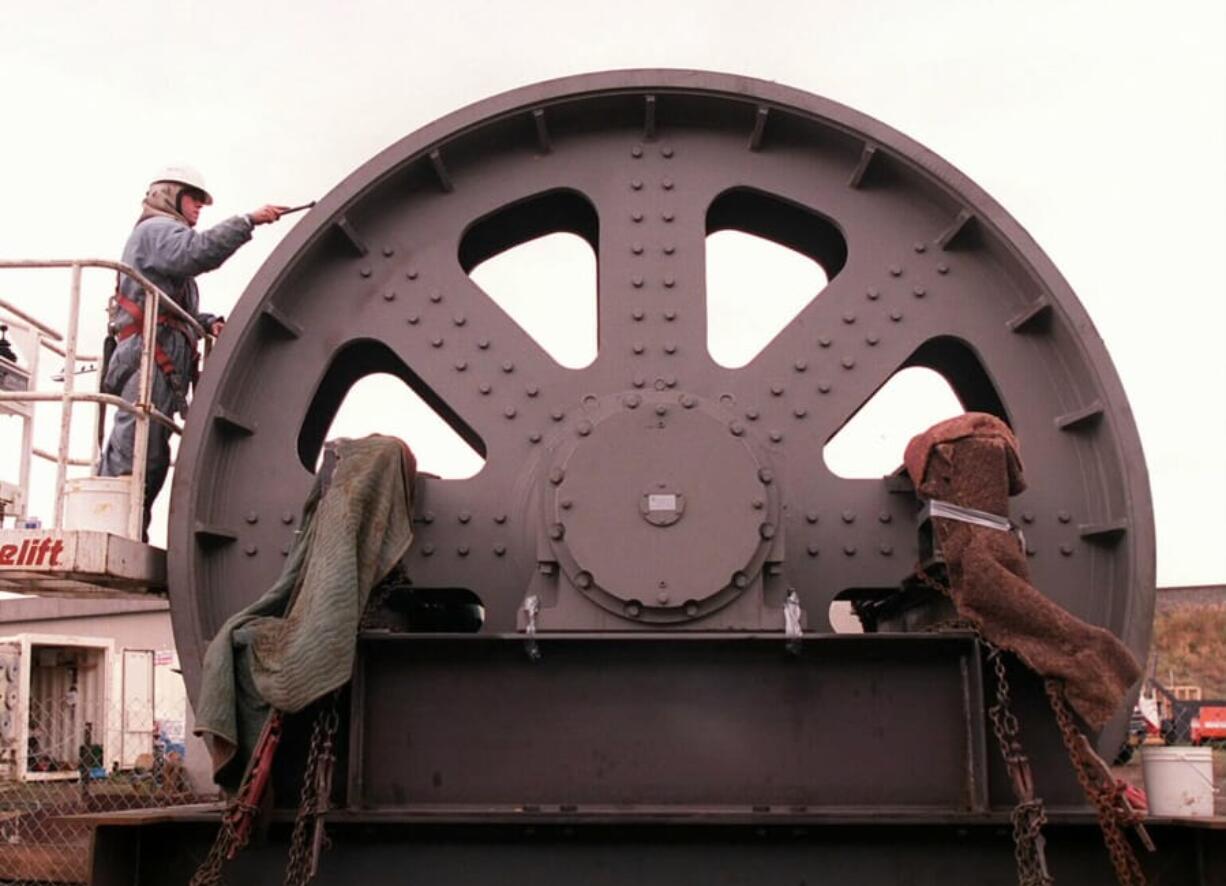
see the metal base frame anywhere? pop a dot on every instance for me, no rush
(546, 852)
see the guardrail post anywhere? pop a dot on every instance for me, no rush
(66, 405)
(140, 447)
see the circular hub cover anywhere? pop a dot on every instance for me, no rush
(660, 504)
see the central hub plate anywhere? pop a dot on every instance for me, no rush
(659, 504)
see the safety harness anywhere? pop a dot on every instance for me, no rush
(164, 361)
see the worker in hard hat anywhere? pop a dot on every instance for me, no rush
(168, 250)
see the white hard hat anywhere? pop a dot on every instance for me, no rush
(184, 175)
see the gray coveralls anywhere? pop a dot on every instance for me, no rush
(170, 254)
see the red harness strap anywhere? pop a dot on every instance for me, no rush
(163, 360)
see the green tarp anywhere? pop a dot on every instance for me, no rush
(356, 526)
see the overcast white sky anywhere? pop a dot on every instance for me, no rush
(1101, 126)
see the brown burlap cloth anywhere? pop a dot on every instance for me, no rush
(973, 461)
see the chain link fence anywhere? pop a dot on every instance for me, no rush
(82, 761)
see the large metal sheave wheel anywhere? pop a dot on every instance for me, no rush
(656, 488)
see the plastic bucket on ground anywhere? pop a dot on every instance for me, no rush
(98, 504)
(1178, 781)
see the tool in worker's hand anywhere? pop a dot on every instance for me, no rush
(285, 212)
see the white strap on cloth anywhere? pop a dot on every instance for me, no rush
(948, 511)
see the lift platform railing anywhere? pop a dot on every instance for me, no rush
(69, 397)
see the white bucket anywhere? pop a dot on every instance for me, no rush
(1178, 781)
(98, 504)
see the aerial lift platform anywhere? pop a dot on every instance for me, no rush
(84, 552)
